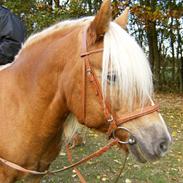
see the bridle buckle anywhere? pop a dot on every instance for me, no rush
(88, 70)
(110, 119)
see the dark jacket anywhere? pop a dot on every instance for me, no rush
(12, 33)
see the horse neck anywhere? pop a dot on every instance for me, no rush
(40, 68)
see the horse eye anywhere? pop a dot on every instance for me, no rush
(111, 77)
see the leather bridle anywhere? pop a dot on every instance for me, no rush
(114, 122)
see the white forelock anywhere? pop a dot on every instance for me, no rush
(123, 57)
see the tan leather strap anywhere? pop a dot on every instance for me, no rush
(89, 72)
(19, 168)
(69, 157)
(87, 158)
(137, 114)
(91, 52)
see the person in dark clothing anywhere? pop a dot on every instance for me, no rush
(12, 34)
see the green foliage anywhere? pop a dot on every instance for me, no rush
(38, 15)
(166, 15)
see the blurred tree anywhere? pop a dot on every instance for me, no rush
(156, 24)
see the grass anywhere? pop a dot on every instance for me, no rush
(106, 168)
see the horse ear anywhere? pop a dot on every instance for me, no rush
(122, 20)
(100, 24)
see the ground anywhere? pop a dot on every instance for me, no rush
(106, 168)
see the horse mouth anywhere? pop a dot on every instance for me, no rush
(137, 152)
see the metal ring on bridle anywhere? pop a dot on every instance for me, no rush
(88, 71)
(110, 119)
(131, 139)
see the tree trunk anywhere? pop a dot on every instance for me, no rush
(181, 74)
(152, 38)
(50, 2)
(57, 3)
(154, 56)
(179, 56)
(172, 51)
(151, 47)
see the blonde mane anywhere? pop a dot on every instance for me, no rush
(56, 28)
(71, 126)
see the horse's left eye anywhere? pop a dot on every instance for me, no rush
(111, 77)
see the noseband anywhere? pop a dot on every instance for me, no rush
(114, 123)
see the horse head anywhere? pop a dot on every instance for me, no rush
(110, 80)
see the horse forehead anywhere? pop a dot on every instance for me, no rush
(96, 58)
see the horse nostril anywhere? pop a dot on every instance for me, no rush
(163, 147)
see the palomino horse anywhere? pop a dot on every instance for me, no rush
(90, 68)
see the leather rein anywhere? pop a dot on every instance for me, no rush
(113, 122)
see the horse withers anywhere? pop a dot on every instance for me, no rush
(90, 69)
